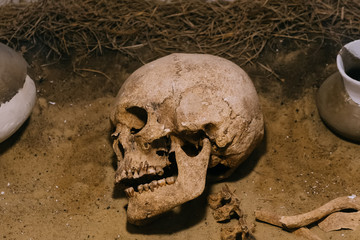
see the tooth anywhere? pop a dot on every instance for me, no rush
(142, 171)
(140, 188)
(127, 193)
(161, 182)
(170, 180)
(153, 185)
(151, 170)
(123, 174)
(159, 171)
(130, 192)
(117, 178)
(136, 175)
(146, 165)
(146, 187)
(128, 163)
(129, 174)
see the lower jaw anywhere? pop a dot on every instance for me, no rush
(147, 205)
(144, 207)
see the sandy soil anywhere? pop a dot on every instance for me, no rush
(57, 171)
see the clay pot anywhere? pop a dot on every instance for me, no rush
(338, 99)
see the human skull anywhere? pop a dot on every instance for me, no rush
(178, 118)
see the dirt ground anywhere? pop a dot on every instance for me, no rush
(57, 171)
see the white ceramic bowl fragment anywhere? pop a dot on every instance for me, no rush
(17, 92)
(348, 64)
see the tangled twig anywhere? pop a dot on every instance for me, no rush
(238, 30)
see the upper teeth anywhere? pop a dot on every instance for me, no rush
(130, 192)
(137, 173)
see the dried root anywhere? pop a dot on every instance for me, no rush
(335, 221)
(227, 206)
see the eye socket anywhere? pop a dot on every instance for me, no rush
(137, 119)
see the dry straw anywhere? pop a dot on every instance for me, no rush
(236, 30)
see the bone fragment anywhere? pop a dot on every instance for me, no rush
(340, 220)
(306, 234)
(335, 205)
(274, 219)
(216, 200)
(233, 233)
(268, 217)
(305, 219)
(227, 206)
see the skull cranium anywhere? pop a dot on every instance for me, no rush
(176, 118)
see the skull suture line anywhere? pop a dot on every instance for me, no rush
(176, 119)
